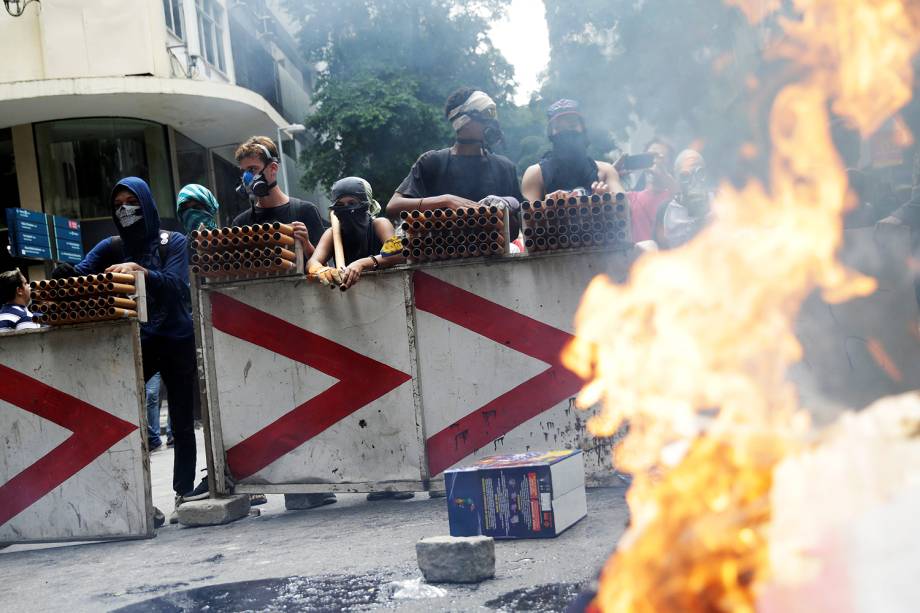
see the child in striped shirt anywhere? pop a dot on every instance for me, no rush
(15, 295)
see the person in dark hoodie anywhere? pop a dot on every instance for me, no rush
(167, 338)
(568, 167)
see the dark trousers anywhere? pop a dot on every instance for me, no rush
(176, 363)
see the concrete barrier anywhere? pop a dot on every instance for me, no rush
(309, 386)
(490, 336)
(72, 435)
(384, 386)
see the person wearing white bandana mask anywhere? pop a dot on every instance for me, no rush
(466, 172)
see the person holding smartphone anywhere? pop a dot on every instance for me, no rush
(656, 186)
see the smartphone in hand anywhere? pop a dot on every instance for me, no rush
(641, 161)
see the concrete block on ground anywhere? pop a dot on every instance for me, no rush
(456, 559)
(214, 511)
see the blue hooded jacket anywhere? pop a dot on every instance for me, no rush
(168, 295)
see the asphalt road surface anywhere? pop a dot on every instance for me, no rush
(353, 555)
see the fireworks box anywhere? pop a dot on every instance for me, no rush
(537, 494)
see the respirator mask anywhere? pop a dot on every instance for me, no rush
(255, 184)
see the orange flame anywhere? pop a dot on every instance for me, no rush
(693, 351)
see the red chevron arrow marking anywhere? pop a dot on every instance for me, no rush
(361, 380)
(511, 329)
(94, 432)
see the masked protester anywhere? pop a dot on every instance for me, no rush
(568, 167)
(682, 218)
(368, 242)
(196, 208)
(468, 171)
(167, 339)
(259, 167)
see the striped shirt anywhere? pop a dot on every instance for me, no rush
(16, 317)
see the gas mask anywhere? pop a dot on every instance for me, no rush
(254, 185)
(694, 191)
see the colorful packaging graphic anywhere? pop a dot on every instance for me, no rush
(527, 495)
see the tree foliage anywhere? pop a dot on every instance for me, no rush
(386, 67)
(681, 67)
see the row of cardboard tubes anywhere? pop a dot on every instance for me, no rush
(84, 290)
(454, 238)
(246, 267)
(566, 241)
(235, 255)
(462, 212)
(448, 252)
(473, 223)
(244, 241)
(84, 315)
(256, 229)
(620, 197)
(571, 213)
(616, 227)
(105, 277)
(82, 305)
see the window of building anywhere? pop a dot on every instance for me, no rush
(173, 11)
(80, 160)
(9, 187)
(211, 32)
(191, 162)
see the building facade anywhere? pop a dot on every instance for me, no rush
(161, 89)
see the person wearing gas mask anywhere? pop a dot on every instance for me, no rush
(682, 218)
(167, 338)
(259, 166)
(466, 172)
(368, 241)
(568, 167)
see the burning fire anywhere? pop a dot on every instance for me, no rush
(692, 353)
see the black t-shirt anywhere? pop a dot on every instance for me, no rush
(567, 175)
(473, 177)
(294, 210)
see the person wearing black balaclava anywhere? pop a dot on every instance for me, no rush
(368, 241)
(466, 172)
(568, 167)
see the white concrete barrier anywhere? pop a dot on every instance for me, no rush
(490, 336)
(72, 430)
(386, 385)
(311, 386)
